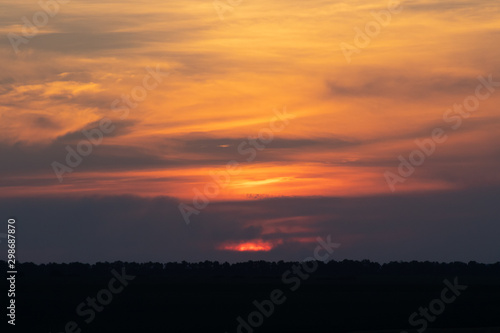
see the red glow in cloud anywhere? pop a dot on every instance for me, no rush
(247, 246)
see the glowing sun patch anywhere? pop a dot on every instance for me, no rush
(247, 246)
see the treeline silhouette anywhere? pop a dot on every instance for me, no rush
(210, 296)
(257, 268)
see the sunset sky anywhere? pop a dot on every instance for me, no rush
(338, 124)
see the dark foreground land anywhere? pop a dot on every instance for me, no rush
(347, 296)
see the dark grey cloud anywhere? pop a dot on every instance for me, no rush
(21, 159)
(448, 164)
(121, 127)
(105, 33)
(204, 144)
(442, 226)
(45, 122)
(383, 83)
(159, 152)
(468, 8)
(84, 42)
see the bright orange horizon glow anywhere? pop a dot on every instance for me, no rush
(248, 246)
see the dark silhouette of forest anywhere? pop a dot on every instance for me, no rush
(344, 268)
(209, 296)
